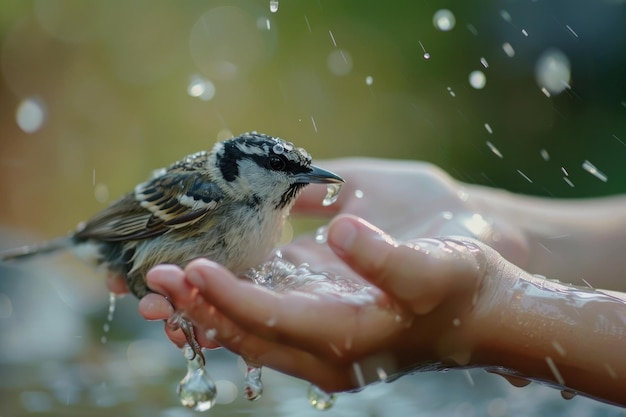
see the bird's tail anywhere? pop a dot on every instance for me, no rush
(25, 252)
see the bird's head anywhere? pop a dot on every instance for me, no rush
(265, 169)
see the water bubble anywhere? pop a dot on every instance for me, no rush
(321, 235)
(201, 88)
(253, 386)
(477, 79)
(444, 20)
(508, 49)
(339, 62)
(31, 114)
(552, 71)
(196, 390)
(319, 399)
(332, 193)
(591, 168)
(273, 6)
(369, 80)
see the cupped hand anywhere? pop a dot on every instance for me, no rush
(423, 308)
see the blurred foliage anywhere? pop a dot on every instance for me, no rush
(113, 79)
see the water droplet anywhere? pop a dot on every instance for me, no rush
(196, 390)
(456, 322)
(278, 149)
(201, 88)
(358, 193)
(447, 215)
(524, 32)
(332, 193)
(508, 49)
(558, 347)
(506, 16)
(369, 80)
(488, 128)
(319, 399)
(567, 394)
(552, 71)
(526, 177)
(493, 149)
(426, 56)
(545, 155)
(339, 62)
(253, 386)
(31, 114)
(444, 20)
(484, 62)
(477, 79)
(571, 31)
(358, 374)
(591, 168)
(452, 93)
(273, 6)
(321, 235)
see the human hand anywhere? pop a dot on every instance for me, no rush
(410, 199)
(426, 307)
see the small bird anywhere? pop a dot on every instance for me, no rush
(228, 205)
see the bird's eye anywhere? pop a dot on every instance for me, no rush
(277, 163)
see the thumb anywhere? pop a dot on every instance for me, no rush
(421, 274)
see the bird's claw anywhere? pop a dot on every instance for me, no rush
(187, 327)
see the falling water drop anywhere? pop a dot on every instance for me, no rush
(444, 20)
(253, 386)
(332, 193)
(107, 326)
(477, 79)
(273, 6)
(319, 399)
(321, 235)
(426, 56)
(196, 390)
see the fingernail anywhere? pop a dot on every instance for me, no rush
(342, 234)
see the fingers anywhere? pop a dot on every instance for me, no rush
(305, 321)
(421, 274)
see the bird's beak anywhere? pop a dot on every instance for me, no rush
(319, 176)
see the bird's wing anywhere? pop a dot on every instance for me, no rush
(172, 200)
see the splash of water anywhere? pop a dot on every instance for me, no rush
(196, 390)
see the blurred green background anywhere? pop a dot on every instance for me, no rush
(96, 94)
(115, 82)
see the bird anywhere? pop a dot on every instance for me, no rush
(228, 204)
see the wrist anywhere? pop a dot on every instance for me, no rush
(564, 336)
